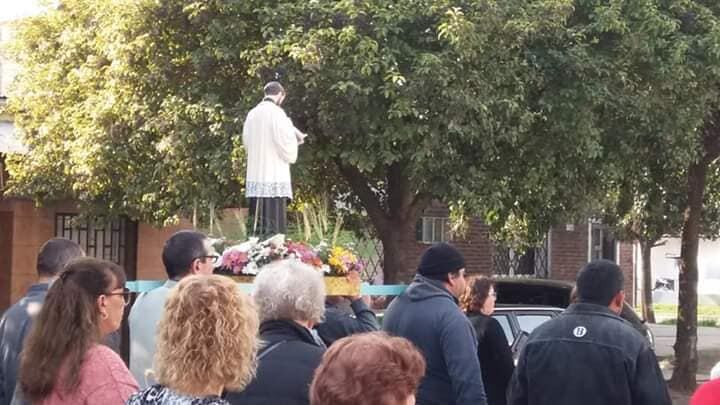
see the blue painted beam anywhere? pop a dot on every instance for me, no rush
(140, 286)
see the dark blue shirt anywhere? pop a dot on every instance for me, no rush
(14, 326)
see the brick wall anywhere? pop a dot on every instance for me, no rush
(32, 226)
(477, 248)
(6, 236)
(149, 252)
(568, 251)
(24, 228)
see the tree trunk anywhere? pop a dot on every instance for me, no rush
(396, 240)
(647, 300)
(686, 361)
(393, 217)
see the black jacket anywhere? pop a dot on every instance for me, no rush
(589, 356)
(496, 361)
(344, 320)
(427, 315)
(284, 374)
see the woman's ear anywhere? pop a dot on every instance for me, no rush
(102, 305)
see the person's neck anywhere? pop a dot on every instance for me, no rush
(45, 279)
(274, 99)
(449, 288)
(306, 324)
(208, 391)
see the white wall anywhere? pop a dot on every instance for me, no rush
(664, 263)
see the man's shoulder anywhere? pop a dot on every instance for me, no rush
(602, 328)
(152, 301)
(20, 312)
(265, 108)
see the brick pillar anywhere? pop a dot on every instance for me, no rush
(568, 251)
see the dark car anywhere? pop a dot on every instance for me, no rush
(524, 303)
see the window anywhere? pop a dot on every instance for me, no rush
(433, 229)
(528, 323)
(602, 242)
(505, 323)
(103, 240)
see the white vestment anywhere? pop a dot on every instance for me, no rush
(271, 144)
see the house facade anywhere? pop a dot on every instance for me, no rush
(566, 249)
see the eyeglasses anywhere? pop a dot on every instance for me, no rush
(213, 258)
(125, 294)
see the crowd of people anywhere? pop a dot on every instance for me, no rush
(200, 340)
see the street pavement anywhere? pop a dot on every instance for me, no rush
(708, 348)
(708, 339)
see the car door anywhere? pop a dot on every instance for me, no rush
(505, 320)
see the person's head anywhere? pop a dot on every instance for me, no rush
(84, 304)
(444, 263)
(368, 369)
(479, 296)
(276, 91)
(207, 336)
(290, 290)
(601, 282)
(186, 253)
(55, 254)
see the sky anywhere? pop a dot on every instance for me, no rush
(14, 9)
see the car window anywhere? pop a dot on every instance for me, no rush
(528, 322)
(505, 323)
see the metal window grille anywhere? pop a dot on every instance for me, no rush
(533, 262)
(103, 240)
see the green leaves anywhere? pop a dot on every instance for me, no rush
(526, 112)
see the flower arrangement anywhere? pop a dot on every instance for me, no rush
(341, 260)
(248, 257)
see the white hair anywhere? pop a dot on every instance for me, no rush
(290, 290)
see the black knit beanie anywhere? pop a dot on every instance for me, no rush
(440, 259)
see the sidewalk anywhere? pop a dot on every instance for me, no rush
(708, 354)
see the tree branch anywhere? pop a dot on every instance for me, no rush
(358, 182)
(711, 138)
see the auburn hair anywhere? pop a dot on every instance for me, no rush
(367, 369)
(476, 293)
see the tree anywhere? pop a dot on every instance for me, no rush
(132, 107)
(677, 110)
(116, 122)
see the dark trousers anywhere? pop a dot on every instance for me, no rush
(268, 216)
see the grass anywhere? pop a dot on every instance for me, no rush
(704, 311)
(701, 322)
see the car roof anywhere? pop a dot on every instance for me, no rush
(532, 291)
(520, 307)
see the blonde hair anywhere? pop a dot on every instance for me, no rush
(207, 336)
(290, 290)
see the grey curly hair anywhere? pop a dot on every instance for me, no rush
(290, 290)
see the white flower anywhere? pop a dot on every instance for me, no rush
(277, 240)
(325, 268)
(251, 268)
